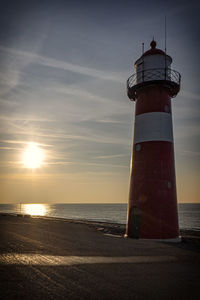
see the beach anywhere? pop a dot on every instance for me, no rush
(49, 258)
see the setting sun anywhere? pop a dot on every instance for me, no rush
(32, 156)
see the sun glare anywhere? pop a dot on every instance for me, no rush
(32, 156)
(34, 209)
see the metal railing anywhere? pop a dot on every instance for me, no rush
(153, 75)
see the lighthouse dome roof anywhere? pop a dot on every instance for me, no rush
(153, 50)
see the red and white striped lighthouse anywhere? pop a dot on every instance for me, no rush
(152, 212)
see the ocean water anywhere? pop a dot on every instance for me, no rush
(189, 214)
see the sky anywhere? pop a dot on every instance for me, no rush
(63, 71)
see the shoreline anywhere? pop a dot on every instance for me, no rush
(116, 229)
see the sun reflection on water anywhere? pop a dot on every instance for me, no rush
(34, 209)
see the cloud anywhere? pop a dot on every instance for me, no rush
(20, 59)
(12, 63)
(80, 69)
(22, 142)
(188, 153)
(110, 156)
(190, 95)
(8, 103)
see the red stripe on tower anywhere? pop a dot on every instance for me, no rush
(152, 212)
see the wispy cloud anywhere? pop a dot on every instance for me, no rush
(22, 117)
(110, 156)
(190, 95)
(28, 57)
(188, 153)
(22, 142)
(8, 103)
(8, 148)
(80, 69)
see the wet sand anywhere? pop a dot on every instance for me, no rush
(44, 258)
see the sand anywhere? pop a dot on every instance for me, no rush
(44, 258)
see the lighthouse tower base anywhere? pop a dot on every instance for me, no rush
(173, 240)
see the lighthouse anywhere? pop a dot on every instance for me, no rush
(152, 209)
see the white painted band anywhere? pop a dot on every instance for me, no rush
(153, 126)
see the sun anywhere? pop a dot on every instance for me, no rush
(33, 156)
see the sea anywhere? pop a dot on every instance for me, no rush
(189, 214)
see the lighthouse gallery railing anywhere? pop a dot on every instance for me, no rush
(168, 76)
(154, 74)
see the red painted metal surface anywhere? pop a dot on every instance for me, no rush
(153, 99)
(153, 50)
(152, 209)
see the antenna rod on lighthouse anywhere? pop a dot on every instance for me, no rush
(165, 34)
(165, 46)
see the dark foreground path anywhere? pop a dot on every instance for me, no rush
(55, 259)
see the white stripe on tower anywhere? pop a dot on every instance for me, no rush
(153, 126)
